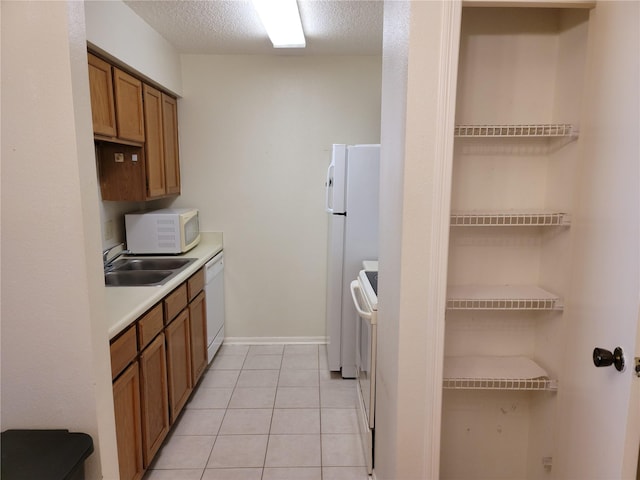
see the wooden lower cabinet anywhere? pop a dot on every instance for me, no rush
(179, 362)
(156, 362)
(154, 393)
(198, 327)
(126, 399)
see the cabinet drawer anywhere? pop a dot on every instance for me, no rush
(174, 303)
(123, 351)
(149, 326)
(195, 284)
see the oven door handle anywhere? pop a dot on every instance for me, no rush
(355, 286)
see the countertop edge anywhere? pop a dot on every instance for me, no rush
(124, 305)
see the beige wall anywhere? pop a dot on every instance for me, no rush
(255, 143)
(55, 357)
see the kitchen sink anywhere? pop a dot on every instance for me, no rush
(129, 263)
(143, 278)
(144, 271)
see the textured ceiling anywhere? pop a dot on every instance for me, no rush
(331, 27)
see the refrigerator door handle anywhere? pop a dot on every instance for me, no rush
(329, 189)
(354, 286)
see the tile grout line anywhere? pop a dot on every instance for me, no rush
(320, 414)
(266, 450)
(224, 415)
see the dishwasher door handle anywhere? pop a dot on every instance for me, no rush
(355, 286)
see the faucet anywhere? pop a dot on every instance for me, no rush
(108, 262)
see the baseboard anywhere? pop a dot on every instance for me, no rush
(274, 340)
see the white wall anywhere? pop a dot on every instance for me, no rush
(394, 110)
(55, 356)
(255, 142)
(115, 30)
(417, 113)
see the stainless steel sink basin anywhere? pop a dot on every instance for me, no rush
(150, 263)
(132, 278)
(144, 271)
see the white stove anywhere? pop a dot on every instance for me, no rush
(365, 299)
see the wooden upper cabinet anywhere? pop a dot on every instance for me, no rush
(154, 144)
(102, 101)
(128, 115)
(129, 111)
(171, 155)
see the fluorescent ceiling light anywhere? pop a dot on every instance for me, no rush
(282, 22)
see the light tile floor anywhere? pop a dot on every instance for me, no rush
(266, 412)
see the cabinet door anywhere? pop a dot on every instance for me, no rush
(154, 144)
(198, 325)
(171, 154)
(155, 400)
(126, 400)
(129, 112)
(178, 362)
(102, 102)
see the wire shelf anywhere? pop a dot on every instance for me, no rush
(545, 384)
(501, 297)
(539, 219)
(495, 373)
(517, 131)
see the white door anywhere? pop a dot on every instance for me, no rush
(599, 413)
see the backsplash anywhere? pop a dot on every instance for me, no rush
(112, 218)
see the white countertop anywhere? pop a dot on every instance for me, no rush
(125, 304)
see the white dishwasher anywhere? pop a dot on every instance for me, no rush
(214, 289)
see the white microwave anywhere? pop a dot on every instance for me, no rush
(165, 231)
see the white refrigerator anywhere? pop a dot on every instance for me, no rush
(352, 204)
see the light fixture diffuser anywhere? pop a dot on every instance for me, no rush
(281, 19)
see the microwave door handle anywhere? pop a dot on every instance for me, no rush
(354, 286)
(329, 189)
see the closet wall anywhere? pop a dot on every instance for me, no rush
(509, 252)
